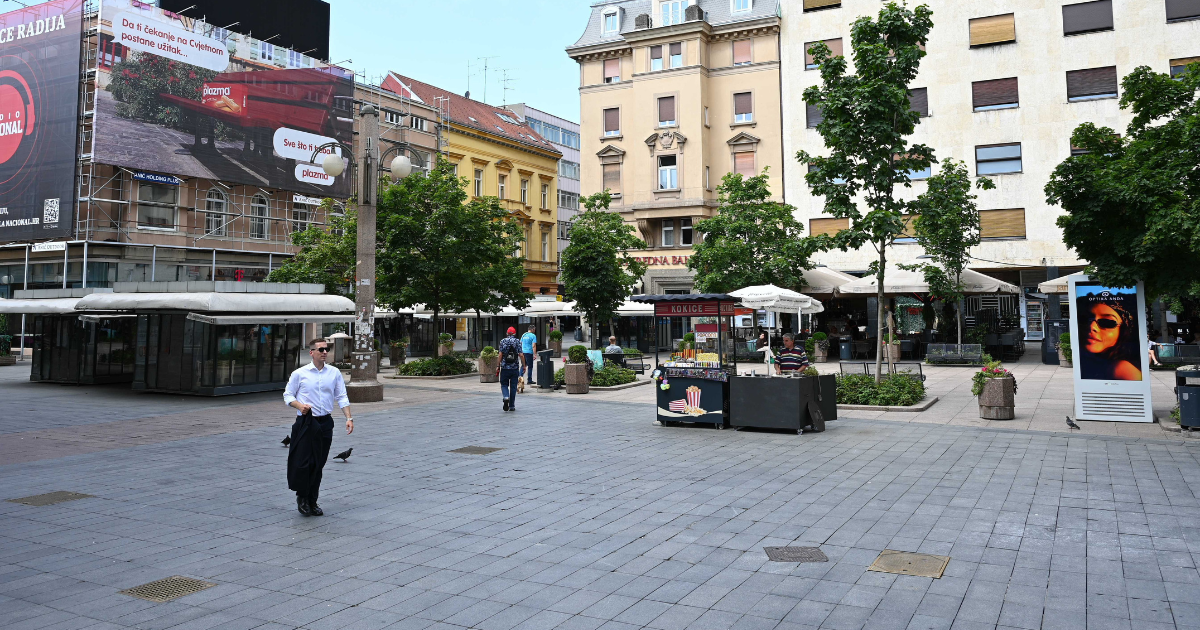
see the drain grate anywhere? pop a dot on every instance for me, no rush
(906, 563)
(167, 589)
(795, 554)
(475, 450)
(50, 498)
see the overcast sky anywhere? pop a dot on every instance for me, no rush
(433, 41)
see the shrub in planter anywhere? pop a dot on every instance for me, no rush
(489, 363)
(6, 355)
(396, 350)
(892, 391)
(556, 338)
(996, 389)
(576, 370)
(445, 344)
(817, 347)
(447, 365)
(1064, 350)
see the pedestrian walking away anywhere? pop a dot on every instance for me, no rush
(313, 391)
(528, 349)
(511, 365)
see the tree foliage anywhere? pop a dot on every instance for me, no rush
(443, 251)
(751, 241)
(597, 271)
(327, 254)
(1132, 203)
(867, 120)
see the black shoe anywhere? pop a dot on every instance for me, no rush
(315, 509)
(506, 405)
(302, 507)
(512, 406)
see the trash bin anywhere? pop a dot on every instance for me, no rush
(545, 369)
(1054, 328)
(844, 348)
(1187, 387)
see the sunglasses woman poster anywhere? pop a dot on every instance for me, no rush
(1107, 333)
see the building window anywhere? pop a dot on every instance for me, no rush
(707, 178)
(827, 227)
(705, 115)
(301, 216)
(1092, 84)
(570, 139)
(1180, 66)
(668, 172)
(685, 231)
(743, 52)
(258, 217)
(1182, 10)
(545, 196)
(743, 107)
(298, 60)
(918, 101)
(996, 94)
(568, 169)
(500, 182)
(924, 173)
(564, 230)
(676, 55)
(672, 11)
(612, 70)
(741, 5)
(835, 49)
(266, 51)
(546, 246)
(743, 164)
(1002, 223)
(998, 159)
(1087, 17)
(568, 200)
(656, 58)
(525, 192)
(813, 115)
(612, 23)
(478, 182)
(668, 232)
(666, 111)
(813, 5)
(612, 178)
(214, 217)
(612, 122)
(156, 205)
(989, 31)
(420, 124)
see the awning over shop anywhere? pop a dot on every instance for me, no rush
(635, 309)
(823, 281)
(267, 318)
(904, 282)
(57, 306)
(548, 308)
(228, 303)
(1057, 285)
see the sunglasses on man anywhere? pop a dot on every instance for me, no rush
(1107, 324)
(320, 349)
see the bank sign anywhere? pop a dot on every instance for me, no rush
(692, 309)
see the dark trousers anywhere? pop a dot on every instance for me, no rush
(311, 438)
(508, 383)
(528, 368)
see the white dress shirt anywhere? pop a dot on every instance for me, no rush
(321, 389)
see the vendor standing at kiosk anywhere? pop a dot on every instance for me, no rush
(790, 358)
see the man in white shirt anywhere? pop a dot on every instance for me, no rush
(313, 390)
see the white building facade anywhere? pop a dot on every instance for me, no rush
(564, 135)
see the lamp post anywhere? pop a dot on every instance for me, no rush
(364, 385)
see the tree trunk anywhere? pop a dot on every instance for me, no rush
(958, 308)
(879, 276)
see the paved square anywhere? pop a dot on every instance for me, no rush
(589, 517)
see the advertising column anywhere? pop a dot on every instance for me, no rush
(1109, 347)
(39, 119)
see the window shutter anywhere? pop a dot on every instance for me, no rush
(612, 177)
(835, 49)
(656, 52)
(992, 93)
(997, 29)
(820, 4)
(743, 163)
(666, 109)
(612, 120)
(612, 68)
(676, 49)
(741, 51)
(1087, 17)
(813, 115)
(1092, 82)
(828, 227)
(742, 103)
(1002, 223)
(918, 101)
(1183, 9)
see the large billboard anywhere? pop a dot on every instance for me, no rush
(1110, 350)
(39, 119)
(177, 95)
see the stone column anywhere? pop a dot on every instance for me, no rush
(364, 385)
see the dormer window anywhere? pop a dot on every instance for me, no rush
(672, 11)
(742, 5)
(612, 22)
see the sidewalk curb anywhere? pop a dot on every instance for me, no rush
(915, 408)
(433, 378)
(1169, 425)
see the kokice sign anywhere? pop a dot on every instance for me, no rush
(144, 33)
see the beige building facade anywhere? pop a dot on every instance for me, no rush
(673, 96)
(1002, 88)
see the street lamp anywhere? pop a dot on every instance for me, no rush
(364, 383)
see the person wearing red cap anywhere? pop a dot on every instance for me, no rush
(512, 363)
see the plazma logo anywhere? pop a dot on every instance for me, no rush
(17, 117)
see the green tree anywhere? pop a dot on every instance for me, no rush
(947, 226)
(443, 251)
(327, 254)
(1132, 203)
(597, 270)
(751, 241)
(866, 125)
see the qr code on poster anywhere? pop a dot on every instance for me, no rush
(50, 211)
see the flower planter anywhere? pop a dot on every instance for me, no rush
(1063, 359)
(487, 370)
(892, 352)
(820, 355)
(7, 360)
(396, 354)
(444, 350)
(577, 378)
(556, 346)
(998, 400)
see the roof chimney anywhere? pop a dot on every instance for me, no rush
(642, 22)
(693, 13)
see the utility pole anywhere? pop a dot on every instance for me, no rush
(504, 86)
(364, 385)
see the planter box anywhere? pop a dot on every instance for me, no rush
(892, 352)
(998, 400)
(445, 350)
(487, 370)
(7, 360)
(1064, 360)
(819, 355)
(396, 354)
(577, 378)
(556, 346)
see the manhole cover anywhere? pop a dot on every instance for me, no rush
(795, 554)
(167, 589)
(50, 498)
(906, 563)
(475, 450)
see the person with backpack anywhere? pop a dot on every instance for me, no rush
(512, 363)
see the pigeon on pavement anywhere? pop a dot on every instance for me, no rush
(286, 440)
(1071, 424)
(344, 455)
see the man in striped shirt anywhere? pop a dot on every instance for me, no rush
(790, 358)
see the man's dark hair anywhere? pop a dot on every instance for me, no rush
(532, 327)
(317, 340)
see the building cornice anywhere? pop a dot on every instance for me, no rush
(471, 132)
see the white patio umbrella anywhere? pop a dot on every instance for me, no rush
(1057, 285)
(769, 297)
(823, 281)
(902, 282)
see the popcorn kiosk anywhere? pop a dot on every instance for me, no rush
(692, 381)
